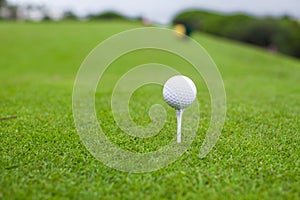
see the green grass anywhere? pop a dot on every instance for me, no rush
(41, 155)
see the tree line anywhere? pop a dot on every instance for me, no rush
(278, 34)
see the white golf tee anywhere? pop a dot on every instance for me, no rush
(179, 117)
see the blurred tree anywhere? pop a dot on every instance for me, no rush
(69, 15)
(46, 18)
(3, 3)
(107, 16)
(288, 37)
(261, 32)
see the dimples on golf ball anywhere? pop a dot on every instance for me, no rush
(179, 92)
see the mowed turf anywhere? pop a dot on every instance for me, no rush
(41, 155)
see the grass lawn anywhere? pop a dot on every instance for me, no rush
(41, 155)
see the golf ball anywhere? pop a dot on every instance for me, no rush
(179, 92)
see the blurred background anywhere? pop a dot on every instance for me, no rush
(256, 46)
(271, 25)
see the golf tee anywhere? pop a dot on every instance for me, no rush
(179, 117)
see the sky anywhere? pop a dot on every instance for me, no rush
(163, 11)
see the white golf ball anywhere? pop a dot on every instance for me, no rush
(179, 92)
